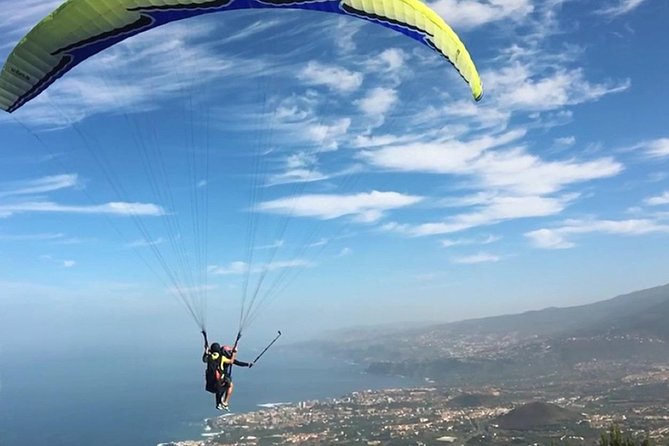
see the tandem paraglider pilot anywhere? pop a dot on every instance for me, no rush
(219, 360)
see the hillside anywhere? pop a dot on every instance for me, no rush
(628, 328)
(537, 415)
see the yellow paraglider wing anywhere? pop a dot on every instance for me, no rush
(79, 29)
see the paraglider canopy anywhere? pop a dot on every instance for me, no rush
(79, 29)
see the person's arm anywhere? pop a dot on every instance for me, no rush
(205, 354)
(243, 364)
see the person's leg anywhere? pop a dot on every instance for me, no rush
(219, 395)
(228, 392)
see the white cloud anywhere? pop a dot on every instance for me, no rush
(372, 141)
(621, 8)
(21, 198)
(377, 102)
(566, 141)
(447, 243)
(336, 78)
(390, 65)
(344, 34)
(145, 243)
(257, 27)
(298, 168)
(238, 267)
(513, 170)
(477, 258)
(296, 108)
(38, 186)
(345, 252)
(363, 207)
(495, 210)
(277, 244)
(558, 238)
(437, 157)
(328, 136)
(393, 59)
(113, 208)
(520, 172)
(463, 14)
(321, 242)
(548, 239)
(518, 87)
(62, 263)
(282, 264)
(233, 268)
(658, 200)
(658, 148)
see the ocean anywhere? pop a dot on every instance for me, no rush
(144, 400)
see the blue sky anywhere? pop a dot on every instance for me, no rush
(401, 198)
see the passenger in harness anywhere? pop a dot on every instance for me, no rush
(219, 362)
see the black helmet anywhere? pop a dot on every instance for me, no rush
(215, 347)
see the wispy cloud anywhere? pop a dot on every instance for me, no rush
(390, 60)
(24, 197)
(334, 77)
(560, 237)
(658, 148)
(145, 243)
(364, 207)
(494, 210)
(377, 102)
(658, 200)
(483, 240)
(239, 267)
(275, 245)
(190, 290)
(518, 87)
(255, 28)
(513, 170)
(466, 14)
(345, 252)
(477, 258)
(232, 268)
(297, 168)
(38, 186)
(321, 242)
(61, 263)
(327, 136)
(344, 34)
(114, 208)
(621, 7)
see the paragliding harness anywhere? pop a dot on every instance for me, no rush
(215, 378)
(218, 375)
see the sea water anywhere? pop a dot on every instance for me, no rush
(129, 400)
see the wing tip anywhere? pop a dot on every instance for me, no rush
(478, 95)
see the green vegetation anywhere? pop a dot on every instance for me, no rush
(616, 438)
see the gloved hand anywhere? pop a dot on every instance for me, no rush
(250, 365)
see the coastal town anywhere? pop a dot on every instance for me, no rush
(564, 414)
